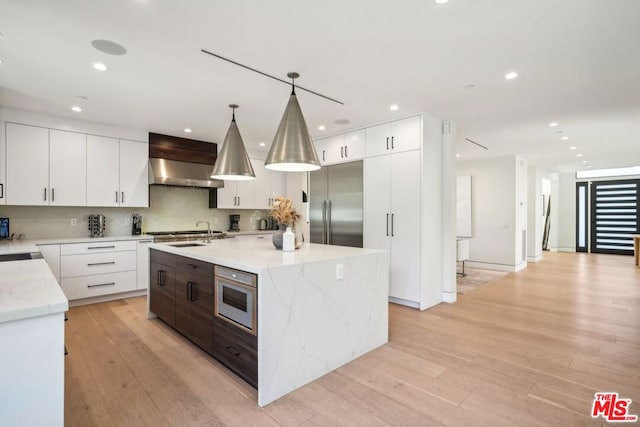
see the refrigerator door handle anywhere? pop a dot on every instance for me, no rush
(324, 222)
(329, 231)
(392, 235)
(387, 225)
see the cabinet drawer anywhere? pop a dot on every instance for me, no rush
(161, 257)
(100, 263)
(98, 284)
(237, 351)
(194, 266)
(96, 247)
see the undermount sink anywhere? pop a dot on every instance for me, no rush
(186, 245)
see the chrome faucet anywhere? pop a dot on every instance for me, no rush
(209, 233)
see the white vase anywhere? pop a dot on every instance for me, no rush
(288, 241)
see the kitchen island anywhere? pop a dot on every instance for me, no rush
(32, 307)
(317, 308)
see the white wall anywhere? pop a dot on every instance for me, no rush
(566, 212)
(521, 186)
(535, 218)
(495, 219)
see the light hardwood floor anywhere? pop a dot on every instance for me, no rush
(529, 349)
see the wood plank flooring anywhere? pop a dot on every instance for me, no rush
(529, 349)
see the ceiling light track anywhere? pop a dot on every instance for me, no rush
(479, 145)
(270, 76)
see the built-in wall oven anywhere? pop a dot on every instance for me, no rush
(235, 298)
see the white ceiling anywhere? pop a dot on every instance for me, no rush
(578, 63)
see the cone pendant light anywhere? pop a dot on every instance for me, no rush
(233, 161)
(292, 149)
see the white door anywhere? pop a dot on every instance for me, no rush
(103, 171)
(405, 225)
(134, 173)
(27, 165)
(227, 195)
(67, 168)
(335, 150)
(406, 134)
(377, 202)
(378, 140)
(262, 185)
(354, 145)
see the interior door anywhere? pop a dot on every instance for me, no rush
(317, 199)
(614, 216)
(345, 204)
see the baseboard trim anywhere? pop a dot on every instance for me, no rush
(492, 266)
(566, 249)
(105, 298)
(535, 258)
(404, 302)
(449, 297)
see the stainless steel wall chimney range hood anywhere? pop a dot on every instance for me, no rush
(181, 162)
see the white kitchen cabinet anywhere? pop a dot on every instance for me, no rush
(134, 173)
(341, 148)
(27, 165)
(45, 166)
(398, 136)
(392, 218)
(268, 185)
(67, 168)
(103, 174)
(98, 268)
(117, 172)
(51, 254)
(236, 195)
(321, 150)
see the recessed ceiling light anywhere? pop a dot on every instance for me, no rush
(441, 1)
(564, 138)
(76, 109)
(394, 107)
(262, 144)
(470, 86)
(457, 155)
(187, 130)
(585, 162)
(553, 124)
(0, 60)
(511, 75)
(573, 147)
(100, 66)
(321, 127)
(587, 166)
(579, 155)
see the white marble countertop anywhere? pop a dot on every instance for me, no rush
(28, 289)
(255, 255)
(31, 245)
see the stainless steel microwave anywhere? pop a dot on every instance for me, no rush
(235, 298)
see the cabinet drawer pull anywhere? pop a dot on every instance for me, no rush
(192, 266)
(346, 151)
(116, 197)
(387, 224)
(122, 197)
(342, 152)
(323, 157)
(387, 143)
(101, 284)
(100, 263)
(53, 194)
(45, 194)
(101, 247)
(160, 273)
(392, 235)
(232, 350)
(145, 241)
(392, 146)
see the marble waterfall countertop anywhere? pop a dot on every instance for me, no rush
(310, 322)
(28, 289)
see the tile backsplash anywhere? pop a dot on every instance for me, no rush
(171, 208)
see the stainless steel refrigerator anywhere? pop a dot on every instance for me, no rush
(335, 205)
